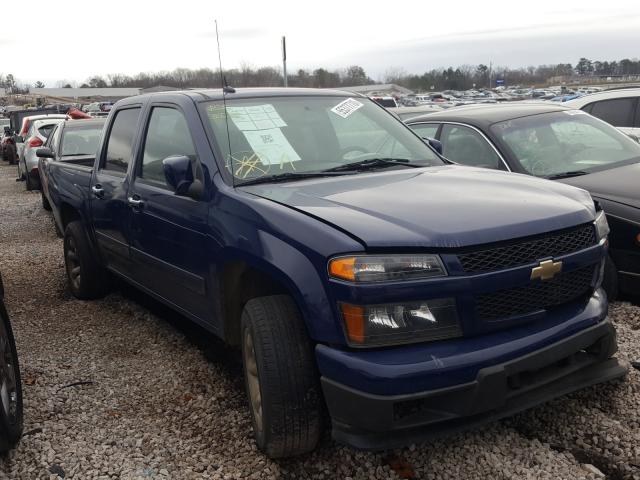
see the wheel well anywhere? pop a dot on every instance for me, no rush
(240, 283)
(68, 214)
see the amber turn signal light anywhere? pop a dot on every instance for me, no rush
(343, 268)
(354, 322)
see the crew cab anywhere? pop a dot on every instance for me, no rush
(360, 273)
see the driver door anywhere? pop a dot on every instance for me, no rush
(169, 231)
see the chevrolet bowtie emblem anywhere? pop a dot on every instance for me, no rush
(546, 270)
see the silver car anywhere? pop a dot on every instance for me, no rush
(38, 132)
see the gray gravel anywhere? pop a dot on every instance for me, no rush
(162, 399)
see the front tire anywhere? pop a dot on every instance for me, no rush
(281, 378)
(11, 416)
(610, 279)
(45, 203)
(87, 278)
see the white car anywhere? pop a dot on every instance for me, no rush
(620, 108)
(24, 129)
(39, 131)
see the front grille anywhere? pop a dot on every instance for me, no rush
(563, 288)
(528, 250)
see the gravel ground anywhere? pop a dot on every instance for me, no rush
(160, 398)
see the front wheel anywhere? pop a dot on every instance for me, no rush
(10, 387)
(280, 377)
(610, 279)
(87, 278)
(45, 203)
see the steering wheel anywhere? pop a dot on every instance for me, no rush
(347, 150)
(539, 168)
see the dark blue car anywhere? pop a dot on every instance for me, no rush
(361, 274)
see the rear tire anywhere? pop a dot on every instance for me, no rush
(281, 378)
(29, 182)
(87, 278)
(10, 154)
(610, 279)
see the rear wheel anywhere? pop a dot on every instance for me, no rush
(10, 154)
(10, 387)
(87, 278)
(29, 183)
(280, 377)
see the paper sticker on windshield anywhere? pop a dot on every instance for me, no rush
(347, 107)
(271, 146)
(255, 117)
(575, 112)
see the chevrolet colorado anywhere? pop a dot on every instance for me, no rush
(362, 275)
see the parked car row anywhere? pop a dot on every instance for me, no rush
(362, 274)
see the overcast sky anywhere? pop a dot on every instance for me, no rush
(129, 37)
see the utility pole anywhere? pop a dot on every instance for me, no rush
(490, 72)
(284, 61)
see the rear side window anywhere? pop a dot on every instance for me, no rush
(45, 130)
(167, 135)
(120, 141)
(618, 111)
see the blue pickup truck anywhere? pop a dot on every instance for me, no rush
(364, 277)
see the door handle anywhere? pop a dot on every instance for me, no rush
(135, 201)
(97, 190)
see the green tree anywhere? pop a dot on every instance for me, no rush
(39, 84)
(584, 66)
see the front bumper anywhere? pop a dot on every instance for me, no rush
(373, 421)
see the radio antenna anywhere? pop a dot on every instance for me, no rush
(225, 89)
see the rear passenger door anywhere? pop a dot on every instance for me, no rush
(109, 207)
(169, 231)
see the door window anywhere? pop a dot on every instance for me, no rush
(120, 141)
(167, 135)
(618, 111)
(425, 130)
(52, 141)
(466, 146)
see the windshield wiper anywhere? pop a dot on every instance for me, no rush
(373, 163)
(573, 173)
(288, 176)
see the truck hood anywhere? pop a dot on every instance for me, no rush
(438, 207)
(617, 184)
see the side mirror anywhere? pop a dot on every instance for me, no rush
(178, 173)
(44, 153)
(19, 139)
(435, 144)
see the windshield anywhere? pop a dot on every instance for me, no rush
(568, 141)
(309, 134)
(81, 141)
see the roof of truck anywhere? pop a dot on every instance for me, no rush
(216, 94)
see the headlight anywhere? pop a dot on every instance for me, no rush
(386, 268)
(602, 227)
(392, 324)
